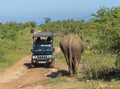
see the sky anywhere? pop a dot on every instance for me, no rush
(36, 10)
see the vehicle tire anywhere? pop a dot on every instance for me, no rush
(32, 64)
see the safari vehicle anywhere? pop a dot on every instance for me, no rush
(43, 49)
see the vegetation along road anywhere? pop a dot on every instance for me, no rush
(99, 65)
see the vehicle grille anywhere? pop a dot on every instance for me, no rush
(42, 57)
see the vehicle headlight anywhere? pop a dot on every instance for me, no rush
(49, 56)
(34, 57)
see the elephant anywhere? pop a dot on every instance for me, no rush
(72, 46)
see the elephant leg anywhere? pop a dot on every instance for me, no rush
(73, 67)
(66, 55)
(76, 68)
(65, 52)
(74, 62)
(70, 63)
(71, 70)
(77, 64)
(70, 67)
(67, 61)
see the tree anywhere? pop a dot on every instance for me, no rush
(47, 20)
(107, 22)
(30, 24)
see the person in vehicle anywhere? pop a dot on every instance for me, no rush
(49, 39)
(38, 39)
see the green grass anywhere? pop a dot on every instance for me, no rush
(74, 83)
(69, 83)
(97, 71)
(56, 41)
(15, 50)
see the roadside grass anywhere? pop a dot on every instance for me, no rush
(15, 50)
(56, 41)
(97, 70)
(95, 73)
(64, 82)
(96, 65)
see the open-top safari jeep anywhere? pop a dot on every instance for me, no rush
(43, 49)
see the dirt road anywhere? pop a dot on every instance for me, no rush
(20, 75)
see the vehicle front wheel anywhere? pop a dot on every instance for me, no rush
(32, 64)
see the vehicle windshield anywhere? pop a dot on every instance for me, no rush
(42, 47)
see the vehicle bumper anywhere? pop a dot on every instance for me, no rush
(38, 61)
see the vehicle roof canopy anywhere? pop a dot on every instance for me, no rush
(43, 34)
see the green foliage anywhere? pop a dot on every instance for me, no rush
(107, 22)
(101, 58)
(101, 34)
(9, 35)
(30, 24)
(66, 26)
(15, 42)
